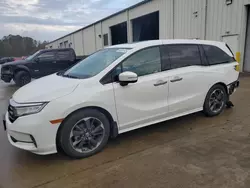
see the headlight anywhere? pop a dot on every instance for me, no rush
(26, 109)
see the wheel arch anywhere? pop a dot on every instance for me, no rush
(218, 83)
(113, 124)
(21, 68)
(222, 84)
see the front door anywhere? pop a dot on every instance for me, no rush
(145, 102)
(46, 64)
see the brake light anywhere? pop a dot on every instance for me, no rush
(237, 67)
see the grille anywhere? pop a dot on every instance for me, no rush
(11, 113)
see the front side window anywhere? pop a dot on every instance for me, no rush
(216, 56)
(94, 64)
(32, 56)
(144, 62)
(184, 55)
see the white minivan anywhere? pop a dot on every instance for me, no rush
(119, 89)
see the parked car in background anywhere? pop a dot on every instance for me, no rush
(6, 59)
(119, 89)
(42, 63)
(18, 58)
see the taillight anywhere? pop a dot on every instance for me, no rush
(237, 55)
(237, 67)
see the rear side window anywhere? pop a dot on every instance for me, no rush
(216, 56)
(184, 55)
(65, 55)
(47, 56)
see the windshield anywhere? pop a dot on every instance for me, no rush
(95, 63)
(32, 56)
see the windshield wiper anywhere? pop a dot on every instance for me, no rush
(69, 76)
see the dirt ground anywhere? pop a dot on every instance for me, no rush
(192, 151)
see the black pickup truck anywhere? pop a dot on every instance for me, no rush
(42, 63)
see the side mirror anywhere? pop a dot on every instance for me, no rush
(127, 77)
(37, 59)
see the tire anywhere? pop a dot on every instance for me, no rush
(76, 142)
(215, 101)
(22, 78)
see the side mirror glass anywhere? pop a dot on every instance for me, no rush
(127, 77)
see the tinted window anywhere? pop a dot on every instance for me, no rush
(144, 62)
(64, 55)
(216, 56)
(47, 56)
(106, 39)
(112, 76)
(184, 55)
(165, 58)
(32, 56)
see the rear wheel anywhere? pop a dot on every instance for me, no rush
(215, 101)
(22, 78)
(84, 133)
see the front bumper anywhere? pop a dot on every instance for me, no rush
(233, 86)
(6, 77)
(32, 133)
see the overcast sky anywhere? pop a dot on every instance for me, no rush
(50, 19)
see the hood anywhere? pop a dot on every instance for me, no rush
(45, 89)
(19, 62)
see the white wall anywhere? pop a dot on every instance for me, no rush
(166, 19)
(98, 36)
(77, 43)
(89, 40)
(189, 19)
(223, 19)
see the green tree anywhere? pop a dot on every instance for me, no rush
(17, 46)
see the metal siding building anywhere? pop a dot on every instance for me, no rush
(221, 20)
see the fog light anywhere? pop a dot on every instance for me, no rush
(33, 140)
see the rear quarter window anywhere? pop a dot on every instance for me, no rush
(216, 55)
(65, 55)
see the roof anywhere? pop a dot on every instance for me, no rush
(124, 10)
(149, 43)
(169, 41)
(57, 49)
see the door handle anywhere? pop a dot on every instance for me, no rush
(160, 82)
(176, 79)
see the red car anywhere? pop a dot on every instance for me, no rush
(18, 58)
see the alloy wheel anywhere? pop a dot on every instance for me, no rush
(24, 80)
(87, 134)
(216, 101)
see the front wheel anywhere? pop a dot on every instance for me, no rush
(215, 101)
(22, 78)
(84, 133)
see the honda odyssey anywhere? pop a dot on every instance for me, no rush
(119, 89)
